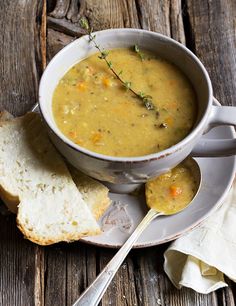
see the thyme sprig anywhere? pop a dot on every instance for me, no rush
(146, 99)
(137, 50)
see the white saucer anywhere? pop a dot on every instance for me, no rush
(127, 211)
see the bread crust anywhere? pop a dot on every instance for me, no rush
(63, 238)
(40, 153)
(11, 201)
(5, 115)
(81, 180)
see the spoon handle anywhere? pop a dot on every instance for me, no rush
(94, 293)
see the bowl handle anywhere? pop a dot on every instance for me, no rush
(220, 115)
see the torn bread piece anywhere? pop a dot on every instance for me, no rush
(93, 192)
(10, 200)
(32, 173)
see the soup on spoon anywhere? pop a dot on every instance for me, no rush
(186, 177)
(173, 191)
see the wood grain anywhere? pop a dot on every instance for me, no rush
(20, 68)
(17, 265)
(212, 26)
(162, 16)
(56, 41)
(20, 56)
(57, 275)
(39, 276)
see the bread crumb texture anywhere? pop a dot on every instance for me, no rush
(94, 193)
(33, 174)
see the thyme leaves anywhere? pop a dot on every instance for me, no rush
(137, 50)
(146, 99)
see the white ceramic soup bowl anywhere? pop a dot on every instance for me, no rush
(124, 172)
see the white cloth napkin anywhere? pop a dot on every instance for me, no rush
(200, 258)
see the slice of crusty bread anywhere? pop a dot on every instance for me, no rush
(94, 193)
(32, 173)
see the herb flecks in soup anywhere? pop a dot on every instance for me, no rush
(94, 110)
(172, 191)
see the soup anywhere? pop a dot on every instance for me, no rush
(174, 190)
(93, 109)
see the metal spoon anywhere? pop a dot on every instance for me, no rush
(94, 293)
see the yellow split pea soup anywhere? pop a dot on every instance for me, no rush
(174, 190)
(93, 109)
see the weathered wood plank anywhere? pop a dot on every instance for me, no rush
(20, 66)
(141, 279)
(153, 286)
(111, 14)
(226, 296)
(55, 276)
(55, 42)
(60, 9)
(162, 16)
(17, 265)
(122, 289)
(69, 269)
(212, 28)
(39, 276)
(81, 269)
(20, 55)
(65, 26)
(43, 36)
(211, 35)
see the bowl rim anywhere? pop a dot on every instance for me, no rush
(154, 156)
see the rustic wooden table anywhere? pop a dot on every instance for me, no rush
(31, 33)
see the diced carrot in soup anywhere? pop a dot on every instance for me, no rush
(107, 106)
(171, 193)
(175, 191)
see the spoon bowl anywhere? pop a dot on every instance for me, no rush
(174, 191)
